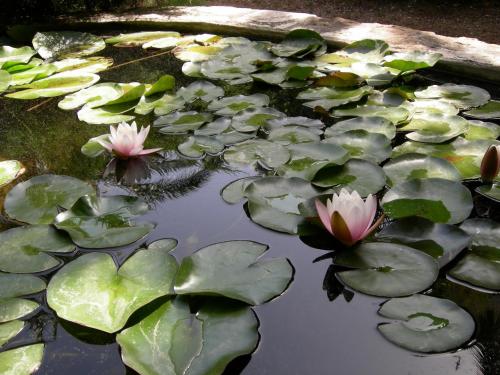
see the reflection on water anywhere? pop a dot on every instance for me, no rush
(317, 328)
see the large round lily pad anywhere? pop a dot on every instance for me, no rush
(435, 127)
(268, 154)
(232, 269)
(396, 115)
(235, 191)
(198, 145)
(328, 98)
(232, 105)
(202, 90)
(25, 249)
(287, 135)
(488, 111)
(482, 130)
(370, 124)
(436, 199)
(462, 96)
(387, 269)
(9, 171)
(21, 361)
(91, 290)
(407, 61)
(426, 324)
(37, 200)
(174, 341)
(101, 222)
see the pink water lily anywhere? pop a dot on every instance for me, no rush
(126, 142)
(348, 217)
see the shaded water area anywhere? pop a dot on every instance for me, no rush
(314, 328)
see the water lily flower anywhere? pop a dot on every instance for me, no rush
(126, 142)
(348, 217)
(490, 165)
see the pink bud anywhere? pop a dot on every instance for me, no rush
(490, 165)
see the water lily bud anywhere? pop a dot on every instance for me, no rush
(490, 165)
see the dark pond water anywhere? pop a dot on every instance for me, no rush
(315, 328)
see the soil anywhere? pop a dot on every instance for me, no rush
(476, 19)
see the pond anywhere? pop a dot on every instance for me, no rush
(313, 319)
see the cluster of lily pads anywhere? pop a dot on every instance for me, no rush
(447, 129)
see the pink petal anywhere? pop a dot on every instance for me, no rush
(149, 151)
(323, 215)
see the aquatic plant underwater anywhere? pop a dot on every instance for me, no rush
(391, 191)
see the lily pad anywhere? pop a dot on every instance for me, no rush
(102, 222)
(430, 106)
(287, 135)
(9, 330)
(10, 56)
(63, 44)
(12, 285)
(367, 50)
(361, 144)
(435, 128)
(91, 290)
(252, 119)
(436, 199)
(232, 105)
(462, 96)
(378, 125)
(15, 308)
(203, 90)
(411, 166)
(173, 341)
(94, 96)
(478, 130)
(490, 191)
(21, 361)
(37, 200)
(9, 171)
(396, 115)
(488, 111)
(90, 64)
(372, 73)
(387, 269)
(182, 122)
(257, 151)
(56, 85)
(139, 38)
(24, 249)
(360, 175)
(407, 61)
(234, 192)
(300, 43)
(5, 80)
(305, 122)
(102, 116)
(196, 53)
(215, 127)
(426, 324)
(233, 270)
(198, 145)
(327, 97)
(441, 241)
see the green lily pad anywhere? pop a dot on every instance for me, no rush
(435, 128)
(306, 159)
(24, 249)
(182, 122)
(478, 130)
(304, 122)
(5, 80)
(488, 111)
(411, 166)
(232, 137)
(12, 285)
(37, 200)
(56, 85)
(430, 106)
(62, 44)
(15, 308)
(327, 97)
(288, 135)
(436, 199)
(378, 125)
(426, 324)
(252, 119)
(139, 38)
(232, 105)
(215, 127)
(490, 191)
(257, 151)
(94, 96)
(372, 73)
(406, 61)
(9, 330)
(387, 269)
(173, 341)
(360, 175)
(300, 43)
(361, 144)
(462, 96)
(234, 192)
(102, 116)
(396, 115)
(93, 147)
(441, 241)
(102, 222)
(165, 83)
(30, 75)
(196, 53)
(9, 171)
(198, 145)
(89, 65)
(367, 50)
(10, 56)
(273, 77)
(227, 70)
(232, 269)
(21, 361)
(203, 90)
(91, 290)
(167, 104)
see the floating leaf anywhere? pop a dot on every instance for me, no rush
(478, 130)
(30, 75)
(89, 65)
(94, 96)
(300, 43)
(9, 171)
(198, 145)
(462, 96)
(21, 361)
(436, 199)
(101, 222)
(15, 308)
(138, 39)
(488, 111)
(56, 85)
(203, 90)
(9, 330)
(328, 98)
(91, 291)
(411, 166)
(182, 122)
(232, 105)
(265, 153)
(215, 127)
(233, 270)
(426, 324)
(287, 135)
(24, 249)
(102, 116)
(196, 53)
(490, 191)
(406, 61)
(361, 144)
(235, 191)
(5, 80)
(37, 200)
(396, 115)
(294, 121)
(435, 128)
(372, 73)
(360, 175)
(441, 241)
(10, 56)
(430, 106)
(378, 125)
(386, 269)
(93, 147)
(19, 285)
(252, 119)
(62, 44)
(173, 341)
(368, 50)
